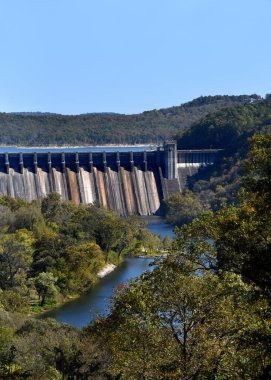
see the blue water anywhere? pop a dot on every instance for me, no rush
(97, 301)
(138, 148)
(158, 226)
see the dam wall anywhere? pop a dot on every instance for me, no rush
(190, 161)
(130, 183)
(126, 182)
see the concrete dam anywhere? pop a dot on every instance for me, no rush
(130, 183)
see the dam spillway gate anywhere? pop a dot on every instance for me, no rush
(130, 183)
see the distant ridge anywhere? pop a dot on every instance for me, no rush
(99, 113)
(34, 113)
(149, 127)
(59, 114)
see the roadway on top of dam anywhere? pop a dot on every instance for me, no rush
(85, 149)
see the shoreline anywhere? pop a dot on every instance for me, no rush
(77, 146)
(107, 269)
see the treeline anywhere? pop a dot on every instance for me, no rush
(51, 249)
(203, 313)
(227, 128)
(36, 129)
(213, 186)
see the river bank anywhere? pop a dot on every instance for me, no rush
(106, 270)
(95, 303)
(38, 310)
(43, 311)
(81, 310)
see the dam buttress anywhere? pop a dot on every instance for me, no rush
(130, 183)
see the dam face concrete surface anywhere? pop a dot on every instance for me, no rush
(130, 183)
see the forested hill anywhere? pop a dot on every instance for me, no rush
(231, 129)
(109, 128)
(227, 128)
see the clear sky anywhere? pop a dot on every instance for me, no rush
(78, 56)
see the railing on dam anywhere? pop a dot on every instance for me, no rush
(133, 182)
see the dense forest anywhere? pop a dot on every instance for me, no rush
(203, 313)
(231, 129)
(51, 249)
(36, 129)
(228, 128)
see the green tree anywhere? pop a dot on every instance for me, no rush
(16, 254)
(12, 203)
(47, 350)
(6, 352)
(14, 300)
(56, 212)
(45, 286)
(237, 238)
(28, 217)
(258, 179)
(107, 226)
(170, 325)
(166, 243)
(51, 206)
(85, 261)
(129, 231)
(48, 247)
(183, 208)
(148, 243)
(6, 218)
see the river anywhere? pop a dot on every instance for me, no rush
(157, 225)
(81, 311)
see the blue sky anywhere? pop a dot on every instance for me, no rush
(77, 56)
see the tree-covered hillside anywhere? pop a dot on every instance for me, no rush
(202, 313)
(105, 128)
(227, 128)
(231, 129)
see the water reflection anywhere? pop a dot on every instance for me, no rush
(96, 302)
(158, 225)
